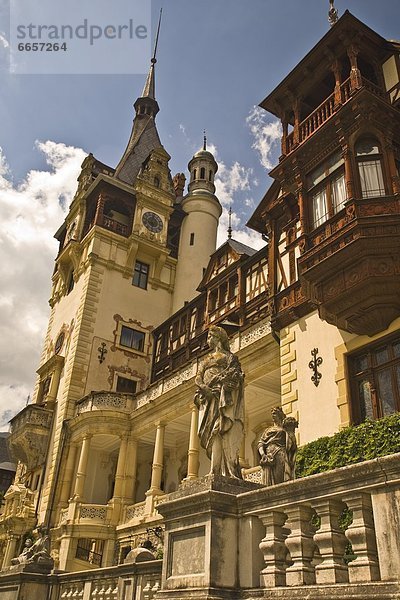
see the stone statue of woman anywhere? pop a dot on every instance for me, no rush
(219, 397)
(277, 448)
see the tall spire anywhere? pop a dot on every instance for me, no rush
(333, 14)
(149, 90)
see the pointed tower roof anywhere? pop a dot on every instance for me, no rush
(144, 135)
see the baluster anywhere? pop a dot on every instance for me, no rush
(331, 543)
(274, 550)
(147, 591)
(301, 546)
(361, 535)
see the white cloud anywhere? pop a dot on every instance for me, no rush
(30, 213)
(266, 134)
(3, 40)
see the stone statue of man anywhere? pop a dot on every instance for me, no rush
(219, 397)
(277, 448)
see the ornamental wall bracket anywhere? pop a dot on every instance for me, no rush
(314, 364)
(102, 350)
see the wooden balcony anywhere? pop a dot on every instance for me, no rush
(29, 433)
(351, 265)
(325, 111)
(238, 297)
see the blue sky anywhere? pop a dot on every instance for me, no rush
(217, 59)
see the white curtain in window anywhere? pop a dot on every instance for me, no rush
(319, 206)
(338, 193)
(371, 178)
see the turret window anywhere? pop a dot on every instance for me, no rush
(209, 175)
(191, 243)
(327, 190)
(370, 168)
(194, 173)
(202, 173)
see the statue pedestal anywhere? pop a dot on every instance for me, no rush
(208, 549)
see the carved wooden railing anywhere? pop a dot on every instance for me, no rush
(115, 226)
(326, 110)
(184, 336)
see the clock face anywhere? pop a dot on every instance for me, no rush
(152, 221)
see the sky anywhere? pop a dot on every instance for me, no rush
(217, 59)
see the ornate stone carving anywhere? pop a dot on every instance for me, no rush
(219, 397)
(36, 553)
(93, 512)
(277, 448)
(29, 435)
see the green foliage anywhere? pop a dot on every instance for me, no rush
(355, 444)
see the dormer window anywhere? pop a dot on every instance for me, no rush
(327, 190)
(369, 162)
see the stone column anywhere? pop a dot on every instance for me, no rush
(120, 472)
(82, 467)
(68, 476)
(130, 471)
(301, 546)
(193, 452)
(158, 461)
(361, 535)
(10, 550)
(273, 549)
(331, 543)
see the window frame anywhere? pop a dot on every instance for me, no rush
(130, 347)
(327, 185)
(370, 375)
(368, 158)
(140, 273)
(121, 378)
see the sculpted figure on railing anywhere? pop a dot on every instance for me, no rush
(219, 397)
(37, 552)
(277, 448)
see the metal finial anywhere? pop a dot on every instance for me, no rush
(230, 223)
(333, 14)
(205, 141)
(154, 58)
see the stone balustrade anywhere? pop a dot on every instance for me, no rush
(105, 401)
(139, 581)
(306, 535)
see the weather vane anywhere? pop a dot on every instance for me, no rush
(333, 14)
(230, 223)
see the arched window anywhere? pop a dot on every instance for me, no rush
(209, 175)
(202, 173)
(370, 167)
(194, 173)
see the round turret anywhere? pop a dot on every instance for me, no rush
(198, 236)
